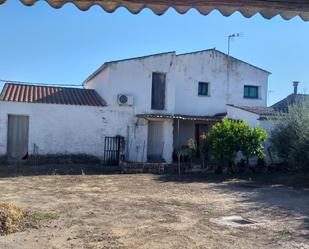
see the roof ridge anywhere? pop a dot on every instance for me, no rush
(45, 85)
(27, 93)
(232, 57)
(104, 65)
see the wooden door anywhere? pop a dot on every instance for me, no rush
(17, 140)
(155, 141)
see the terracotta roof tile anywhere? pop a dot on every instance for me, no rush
(50, 95)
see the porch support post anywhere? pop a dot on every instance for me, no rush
(178, 146)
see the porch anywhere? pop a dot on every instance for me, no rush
(169, 134)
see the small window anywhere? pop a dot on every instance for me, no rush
(251, 92)
(203, 89)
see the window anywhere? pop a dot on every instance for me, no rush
(203, 89)
(158, 91)
(251, 92)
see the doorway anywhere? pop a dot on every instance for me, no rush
(155, 145)
(18, 136)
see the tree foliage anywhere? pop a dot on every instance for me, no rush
(230, 136)
(290, 136)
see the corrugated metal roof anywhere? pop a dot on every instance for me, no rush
(217, 117)
(267, 8)
(50, 95)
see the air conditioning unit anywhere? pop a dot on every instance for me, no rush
(125, 99)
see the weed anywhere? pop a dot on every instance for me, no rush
(285, 232)
(44, 215)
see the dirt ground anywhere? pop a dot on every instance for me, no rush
(153, 211)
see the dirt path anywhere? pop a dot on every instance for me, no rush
(144, 211)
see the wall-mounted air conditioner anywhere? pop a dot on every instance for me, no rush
(125, 99)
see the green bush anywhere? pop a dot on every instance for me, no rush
(230, 136)
(290, 136)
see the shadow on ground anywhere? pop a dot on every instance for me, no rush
(56, 169)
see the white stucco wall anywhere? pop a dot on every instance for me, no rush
(183, 72)
(239, 114)
(211, 66)
(63, 129)
(134, 77)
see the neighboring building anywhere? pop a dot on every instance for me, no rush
(52, 120)
(282, 105)
(157, 103)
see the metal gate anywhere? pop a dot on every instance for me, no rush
(112, 149)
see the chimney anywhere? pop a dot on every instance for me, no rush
(295, 84)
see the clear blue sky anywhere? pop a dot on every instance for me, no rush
(42, 44)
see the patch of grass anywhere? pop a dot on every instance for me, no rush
(11, 218)
(38, 215)
(285, 232)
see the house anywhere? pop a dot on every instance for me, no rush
(156, 103)
(282, 105)
(265, 116)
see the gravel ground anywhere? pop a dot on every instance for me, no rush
(152, 211)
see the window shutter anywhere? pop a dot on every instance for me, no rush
(158, 91)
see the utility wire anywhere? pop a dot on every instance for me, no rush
(38, 83)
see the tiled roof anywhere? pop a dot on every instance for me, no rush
(267, 8)
(259, 110)
(50, 95)
(282, 105)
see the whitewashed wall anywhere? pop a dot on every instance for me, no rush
(134, 77)
(239, 114)
(69, 129)
(183, 72)
(211, 66)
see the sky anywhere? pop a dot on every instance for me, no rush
(64, 46)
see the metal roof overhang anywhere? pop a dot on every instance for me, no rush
(214, 118)
(267, 8)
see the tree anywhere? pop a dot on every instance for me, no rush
(230, 136)
(290, 136)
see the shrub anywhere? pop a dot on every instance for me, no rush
(230, 136)
(10, 218)
(290, 136)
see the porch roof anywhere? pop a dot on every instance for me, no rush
(216, 117)
(267, 8)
